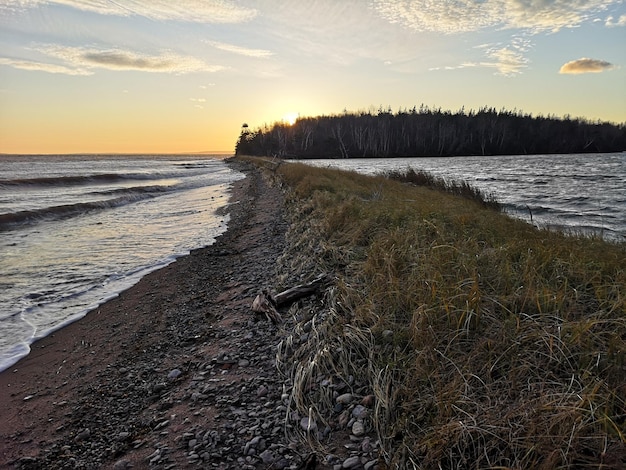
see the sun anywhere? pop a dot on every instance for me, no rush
(291, 117)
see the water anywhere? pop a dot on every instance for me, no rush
(77, 230)
(576, 193)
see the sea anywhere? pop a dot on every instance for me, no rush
(77, 230)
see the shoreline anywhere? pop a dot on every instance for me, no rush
(129, 283)
(108, 389)
(178, 371)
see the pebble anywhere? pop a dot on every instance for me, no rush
(308, 425)
(249, 411)
(267, 456)
(368, 401)
(84, 434)
(344, 399)
(358, 429)
(370, 465)
(359, 411)
(351, 462)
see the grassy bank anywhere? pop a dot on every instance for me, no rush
(487, 343)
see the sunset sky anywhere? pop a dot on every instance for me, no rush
(162, 76)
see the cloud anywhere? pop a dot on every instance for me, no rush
(524, 17)
(585, 65)
(197, 11)
(42, 67)
(611, 23)
(508, 61)
(504, 60)
(198, 102)
(82, 61)
(459, 16)
(259, 53)
(116, 59)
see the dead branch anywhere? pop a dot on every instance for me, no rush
(266, 304)
(303, 290)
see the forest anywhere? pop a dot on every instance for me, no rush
(430, 132)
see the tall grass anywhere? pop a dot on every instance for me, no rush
(459, 188)
(487, 343)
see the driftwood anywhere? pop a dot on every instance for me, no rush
(263, 303)
(266, 304)
(303, 290)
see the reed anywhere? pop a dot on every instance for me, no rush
(488, 343)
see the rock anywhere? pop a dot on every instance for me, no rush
(366, 445)
(174, 374)
(281, 464)
(122, 465)
(308, 425)
(351, 462)
(344, 399)
(243, 363)
(370, 465)
(368, 400)
(358, 429)
(84, 434)
(267, 456)
(359, 412)
(344, 418)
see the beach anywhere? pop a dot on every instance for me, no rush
(175, 371)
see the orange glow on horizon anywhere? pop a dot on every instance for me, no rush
(291, 117)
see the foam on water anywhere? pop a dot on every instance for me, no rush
(139, 215)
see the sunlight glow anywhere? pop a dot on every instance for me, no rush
(291, 117)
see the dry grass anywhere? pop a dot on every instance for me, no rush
(487, 343)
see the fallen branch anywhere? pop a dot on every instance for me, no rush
(266, 304)
(303, 290)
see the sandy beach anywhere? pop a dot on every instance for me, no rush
(131, 382)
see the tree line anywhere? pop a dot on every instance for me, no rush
(430, 132)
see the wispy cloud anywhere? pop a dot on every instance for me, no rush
(83, 61)
(198, 11)
(35, 66)
(507, 61)
(458, 16)
(199, 102)
(612, 23)
(586, 65)
(524, 17)
(259, 53)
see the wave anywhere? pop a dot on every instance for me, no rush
(133, 190)
(10, 220)
(73, 180)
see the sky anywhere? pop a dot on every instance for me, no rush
(163, 76)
